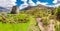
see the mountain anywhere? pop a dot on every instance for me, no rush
(2, 9)
(38, 6)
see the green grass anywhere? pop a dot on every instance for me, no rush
(13, 27)
(17, 27)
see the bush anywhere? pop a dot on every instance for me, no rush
(21, 18)
(58, 13)
(17, 18)
(45, 21)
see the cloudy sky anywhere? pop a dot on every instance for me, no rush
(25, 3)
(49, 3)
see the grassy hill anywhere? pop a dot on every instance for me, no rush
(26, 19)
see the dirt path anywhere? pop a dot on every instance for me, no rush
(41, 26)
(51, 25)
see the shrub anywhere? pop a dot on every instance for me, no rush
(58, 13)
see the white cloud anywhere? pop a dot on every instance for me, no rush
(45, 3)
(24, 5)
(58, 1)
(56, 5)
(55, 1)
(24, 0)
(38, 2)
(31, 3)
(7, 3)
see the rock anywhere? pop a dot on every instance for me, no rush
(15, 10)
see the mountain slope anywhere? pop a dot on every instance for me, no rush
(2, 9)
(38, 6)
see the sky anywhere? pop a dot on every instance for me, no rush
(19, 2)
(49, 3)
(25, 3)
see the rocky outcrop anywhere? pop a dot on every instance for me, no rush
(15, 10)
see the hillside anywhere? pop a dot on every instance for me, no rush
(38, 18)
(38, 6)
